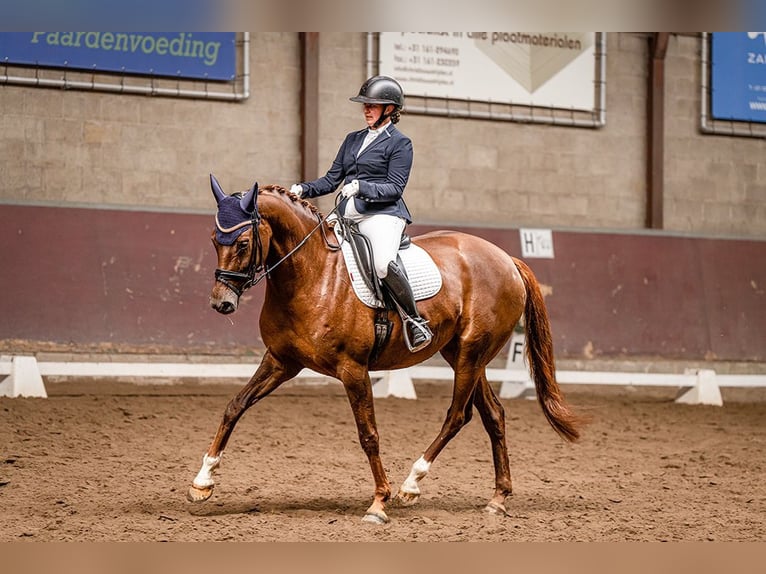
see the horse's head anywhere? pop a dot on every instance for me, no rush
(238, 244)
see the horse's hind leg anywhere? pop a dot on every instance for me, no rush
(493, 417)
(270, 374)
(458, 415)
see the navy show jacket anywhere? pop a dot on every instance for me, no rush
(382, 170)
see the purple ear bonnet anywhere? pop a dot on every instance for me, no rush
(231, 220)
(235, 212)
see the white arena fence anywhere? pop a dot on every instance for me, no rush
(24, 377)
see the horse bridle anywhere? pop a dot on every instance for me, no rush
(257, 263)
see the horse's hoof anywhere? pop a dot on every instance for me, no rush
(196, 494)
(376, 518)
(496, 508)
(407, 498)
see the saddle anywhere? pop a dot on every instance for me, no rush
(362, 250)
(422, 273)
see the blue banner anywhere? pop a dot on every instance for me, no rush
(198, 55)
(738, 76)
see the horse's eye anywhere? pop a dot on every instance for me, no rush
(242, 245)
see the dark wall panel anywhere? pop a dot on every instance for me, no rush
(119, 279)
(127, 280)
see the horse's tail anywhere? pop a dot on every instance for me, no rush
(540, 359)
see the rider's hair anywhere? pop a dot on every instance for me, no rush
(395, 115)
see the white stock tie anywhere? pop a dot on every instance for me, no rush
(368, 139)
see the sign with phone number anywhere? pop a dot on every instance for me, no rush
(738, 76)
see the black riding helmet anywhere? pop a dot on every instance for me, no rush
(381, 90)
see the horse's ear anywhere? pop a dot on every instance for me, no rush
(217, 191)
(247, 203)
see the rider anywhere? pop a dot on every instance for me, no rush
(374, 166)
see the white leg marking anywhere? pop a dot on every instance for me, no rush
(204, 477)
(419, 470)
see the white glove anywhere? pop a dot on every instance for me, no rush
(350, 189)
(297, 189)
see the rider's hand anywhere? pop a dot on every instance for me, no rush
(297, 189)
(351, 188)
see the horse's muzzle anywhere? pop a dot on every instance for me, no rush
(224, 301)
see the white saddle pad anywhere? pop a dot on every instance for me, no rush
(425, 278)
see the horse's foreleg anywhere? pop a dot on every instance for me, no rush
(359, 391)
(270, 374)
(458, 415)
(493, 416)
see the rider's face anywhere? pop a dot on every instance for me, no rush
(372, 112)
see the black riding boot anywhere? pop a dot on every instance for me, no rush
(416, 334)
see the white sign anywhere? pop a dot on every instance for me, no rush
(536, 243)
(518, 386)
(545, 69)
(517, 352)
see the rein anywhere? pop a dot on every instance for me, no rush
(257, 264)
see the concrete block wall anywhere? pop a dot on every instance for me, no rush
(342, 70)
(74, 147)
(714, 184)
(511, 174)
(66, 147)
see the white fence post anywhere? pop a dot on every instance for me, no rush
(24, 380)
(395, 384)
(705, 390)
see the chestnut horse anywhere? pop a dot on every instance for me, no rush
(312, 319)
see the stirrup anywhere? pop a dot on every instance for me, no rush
(422, 326)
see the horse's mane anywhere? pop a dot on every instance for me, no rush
(294, 198)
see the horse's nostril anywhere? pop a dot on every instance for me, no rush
(224, 307)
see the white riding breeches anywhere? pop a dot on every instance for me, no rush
(384, 232)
